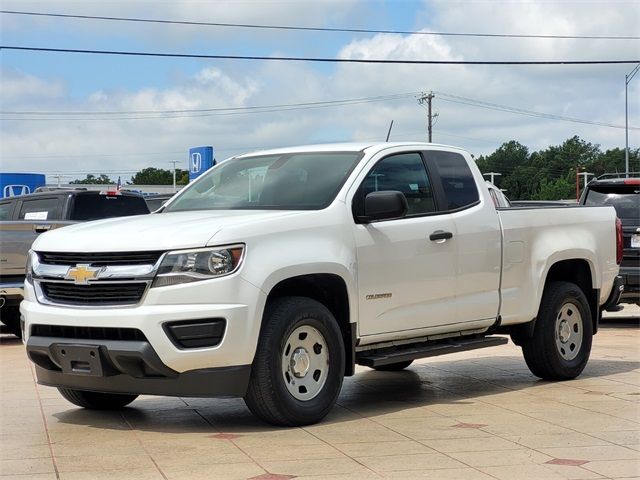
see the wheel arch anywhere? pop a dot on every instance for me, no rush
(330, 289)
(579, 271)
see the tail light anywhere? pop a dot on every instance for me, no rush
(619, 241)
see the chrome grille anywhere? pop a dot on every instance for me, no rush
(100, 259)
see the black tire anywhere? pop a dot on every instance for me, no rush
(10, 316)
(268, 396)
(541, 352)
(393, 367)
(97, 400)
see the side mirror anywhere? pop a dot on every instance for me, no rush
(384, 205)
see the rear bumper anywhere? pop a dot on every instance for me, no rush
(631, 281)
(12, 292)
(616, 293)
(126, 367)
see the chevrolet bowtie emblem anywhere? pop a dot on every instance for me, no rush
(81, 274)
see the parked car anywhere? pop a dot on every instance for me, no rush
(623, 193)
(500, 200)
(24, 218)
(275, 273)
(157, 200)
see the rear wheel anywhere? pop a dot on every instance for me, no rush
(298, 369)
(97, 400)
(561, 343)
(393, 367)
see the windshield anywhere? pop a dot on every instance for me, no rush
(293, 181)
(626, 200)
(96, 207)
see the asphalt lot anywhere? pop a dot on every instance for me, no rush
(472, 415)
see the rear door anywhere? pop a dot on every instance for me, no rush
(478, 238)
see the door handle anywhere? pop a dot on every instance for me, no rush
(41, 228)
(440, 236)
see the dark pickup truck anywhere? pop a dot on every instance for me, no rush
(24, 217)
(623, 193)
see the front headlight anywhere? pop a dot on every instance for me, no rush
(29, 267)
(184, 266)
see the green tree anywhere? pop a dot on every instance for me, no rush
(558, 189)
(159, 176)
(102, 179)
(152, 176)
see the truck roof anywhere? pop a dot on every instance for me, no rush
(344, 147)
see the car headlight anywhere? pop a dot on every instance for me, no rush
(29, 268)
(184, 266)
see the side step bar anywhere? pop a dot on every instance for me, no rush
(373, 358)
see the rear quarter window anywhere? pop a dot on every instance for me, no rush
(459, 186)
(48, 208)
(95, 207)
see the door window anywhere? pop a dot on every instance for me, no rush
(6, 208)
(40, 209)
(404, 173)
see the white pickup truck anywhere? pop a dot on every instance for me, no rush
(276, 272)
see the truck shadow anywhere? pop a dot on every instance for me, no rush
(491, 381)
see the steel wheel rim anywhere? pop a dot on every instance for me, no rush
(305, 363)
(569, 331)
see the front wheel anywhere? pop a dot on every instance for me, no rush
(561, 343)
(97, 400)
(298, 369)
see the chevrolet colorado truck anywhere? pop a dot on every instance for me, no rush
(275, 273)
(23, 218)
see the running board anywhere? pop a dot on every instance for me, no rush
(373, 358)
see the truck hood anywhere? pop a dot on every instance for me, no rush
(160, 231)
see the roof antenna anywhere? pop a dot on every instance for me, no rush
(389, 132)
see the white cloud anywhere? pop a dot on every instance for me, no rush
(594, 92)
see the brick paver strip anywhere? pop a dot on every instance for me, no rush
(224, 436)
(470, 425)
(272, 476)
(567, 461)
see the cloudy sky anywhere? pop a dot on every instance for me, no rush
(122, 143)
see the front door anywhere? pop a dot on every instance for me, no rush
(406, 281)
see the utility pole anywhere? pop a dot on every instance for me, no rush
(585, 176)
(492, 175)
(427, 98)
(627, 79)
(174, 174)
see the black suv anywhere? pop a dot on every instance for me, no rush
(623, 193)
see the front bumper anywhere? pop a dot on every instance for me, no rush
(242, 316)
(126, 367)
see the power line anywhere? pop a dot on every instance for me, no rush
(85, 115)
(317, 29)
(385, 61)
(219, 111)
(520, 111)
